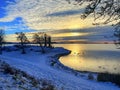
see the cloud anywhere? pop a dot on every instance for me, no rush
(95, 34)
(33, 12)
(65, 13)
(17, 25)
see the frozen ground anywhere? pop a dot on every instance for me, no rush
(15, 79)
(34, 63)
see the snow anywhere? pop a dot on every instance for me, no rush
(15, 79)
(36, 64)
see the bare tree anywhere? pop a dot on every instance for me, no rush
(49, 41)
(21, 37)
(45, 40)
(2, 34)
(109, 10)
(38, 40)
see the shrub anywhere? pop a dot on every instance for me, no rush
(48, 87)
(90, 76)
(17, 46)
(105, 77)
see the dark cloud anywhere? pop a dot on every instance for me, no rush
(65, 13)
(84, 30)
(104, 33)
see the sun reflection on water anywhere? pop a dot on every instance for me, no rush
(74, 60)
(92, 57)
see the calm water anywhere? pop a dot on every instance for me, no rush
(92, 57)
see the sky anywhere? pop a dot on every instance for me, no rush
(55, 17)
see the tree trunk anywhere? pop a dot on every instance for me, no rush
(43, 51)
(0, 49)
(49, 42)
(45, 41)
(23, 49)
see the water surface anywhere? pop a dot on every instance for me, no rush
(92, 57)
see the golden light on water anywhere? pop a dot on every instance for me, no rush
(72, 60)
(77, 59)
(86, 57)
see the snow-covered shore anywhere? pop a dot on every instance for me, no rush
(37, 65)
(14, 79)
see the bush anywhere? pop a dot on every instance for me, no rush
(90, 76)
(48, 87)
(105, 77)
(17, 46)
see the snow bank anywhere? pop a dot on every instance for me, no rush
(15, 79)
(37, 65)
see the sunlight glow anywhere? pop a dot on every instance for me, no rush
(69, 34)
(73, 59)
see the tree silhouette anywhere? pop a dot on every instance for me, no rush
(107, 9)
(104, 12)
(38, 40)
(21, 37)
(49, 41)
(45, 40)
(2, 35)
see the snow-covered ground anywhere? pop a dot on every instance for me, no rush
(14, 79)
(36, 64)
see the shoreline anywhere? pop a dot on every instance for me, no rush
(89, 75)
(55, 63)
(67, 52)
(47, 65)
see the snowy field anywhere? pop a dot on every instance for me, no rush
(14, 79)
(36, 64)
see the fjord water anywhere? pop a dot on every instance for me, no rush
(92, 57)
